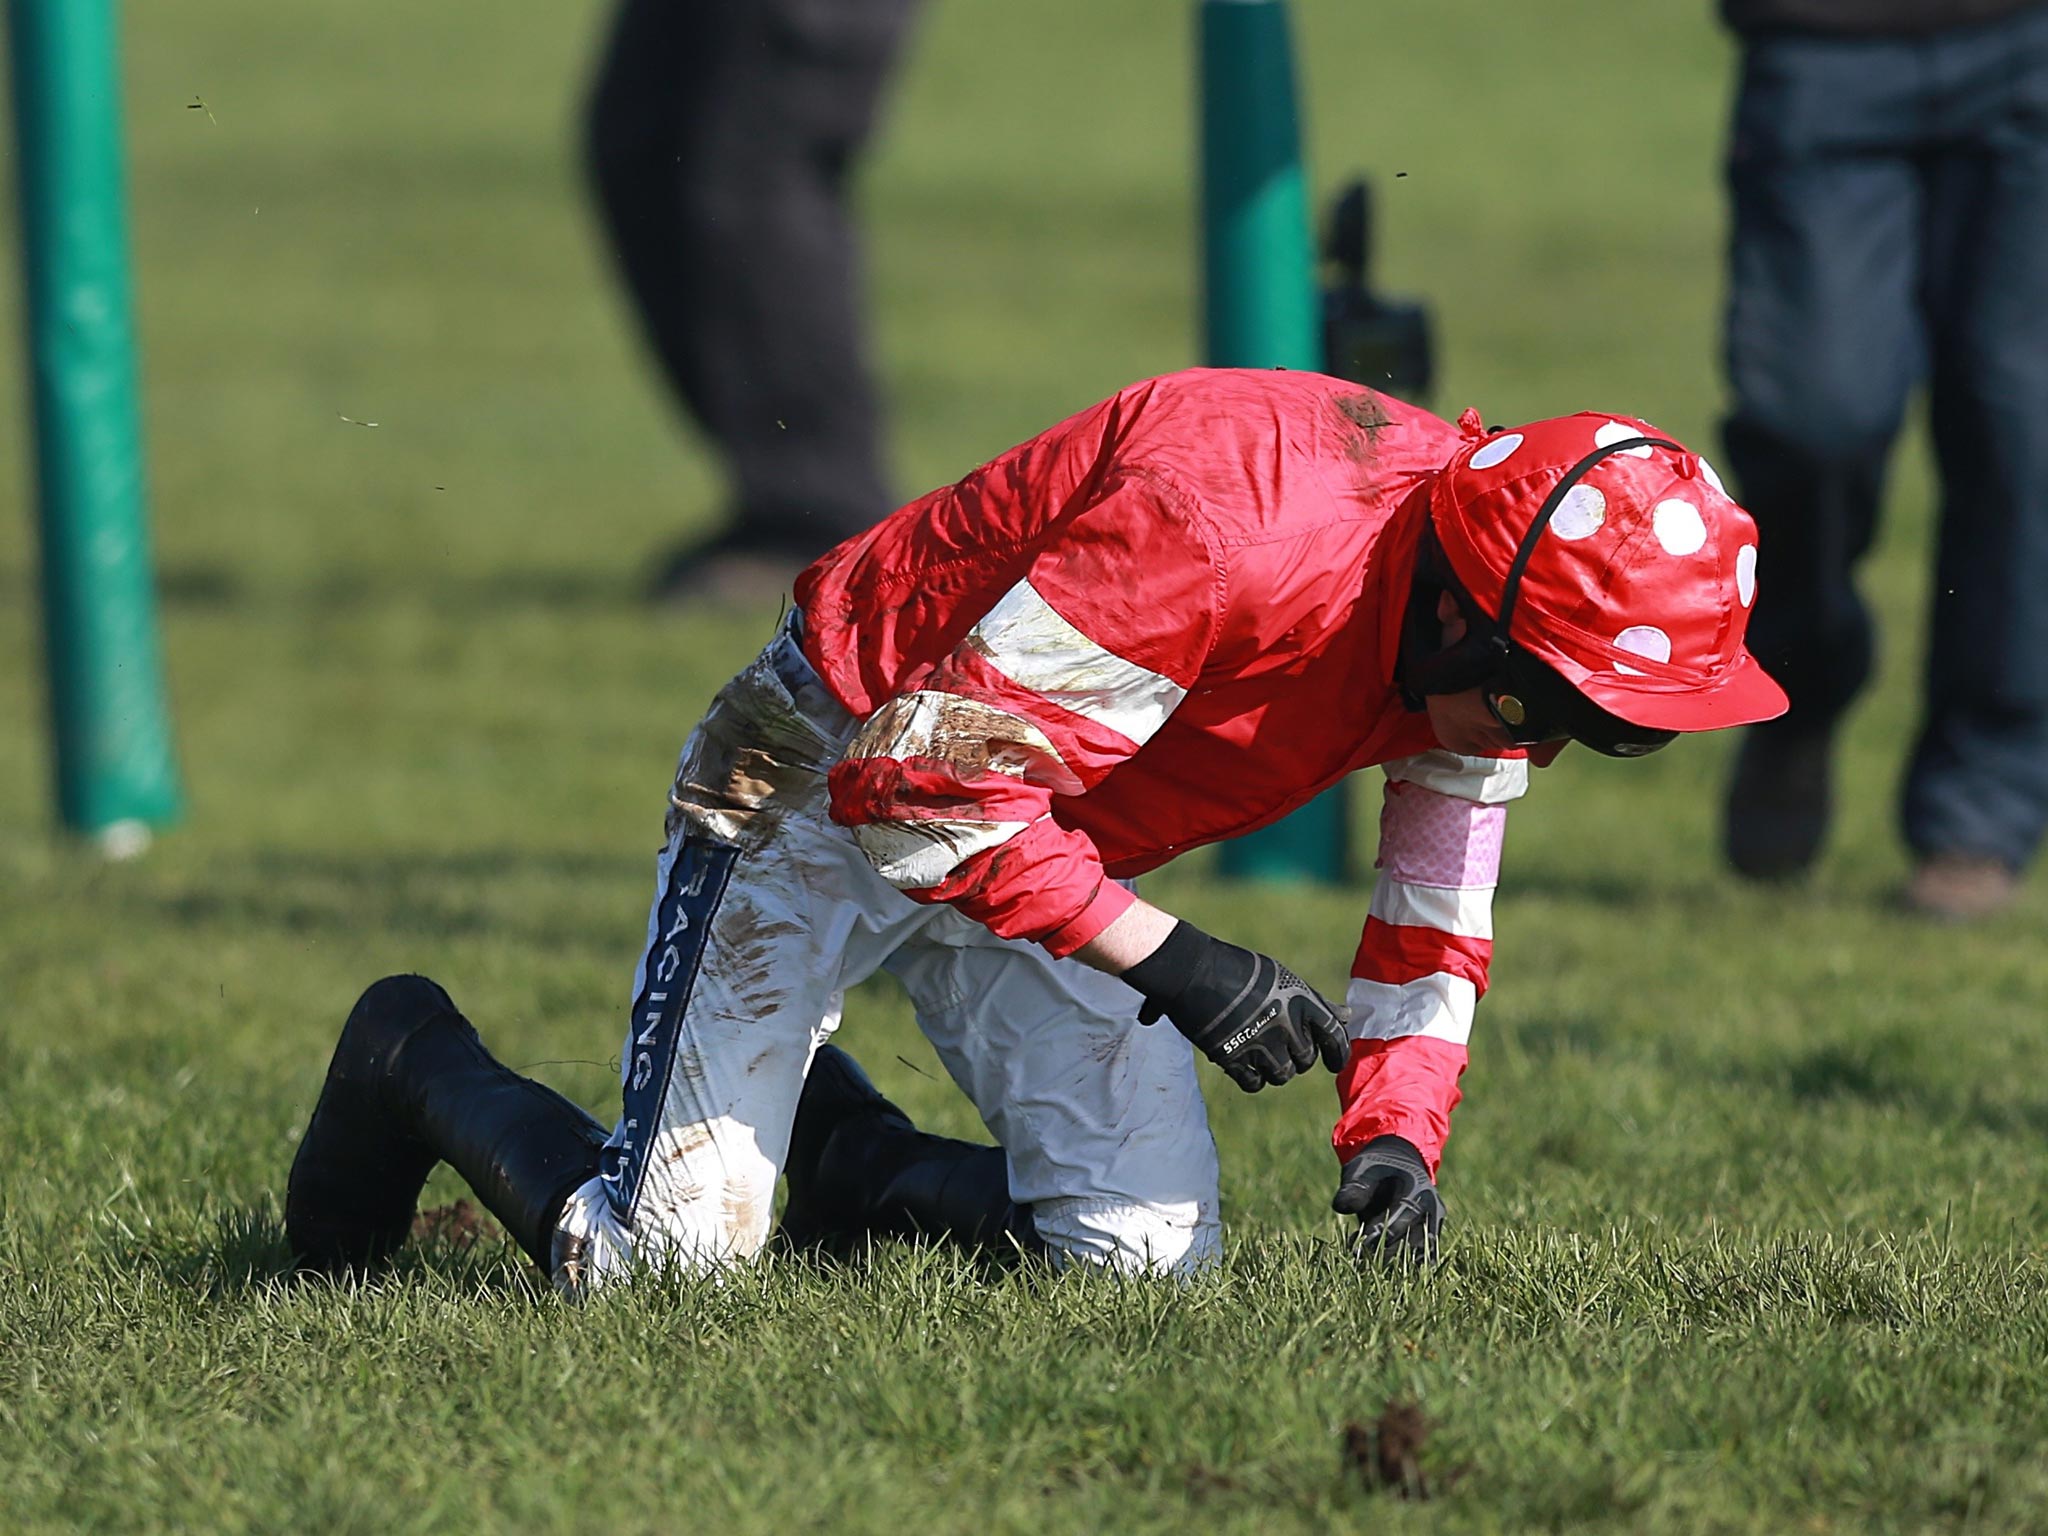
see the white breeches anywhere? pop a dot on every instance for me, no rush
(765, 912)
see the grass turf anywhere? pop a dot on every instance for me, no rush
(1746, 1197)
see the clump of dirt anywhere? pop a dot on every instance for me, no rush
(1387, 1455)
(1206, 1480)
(460, 1225)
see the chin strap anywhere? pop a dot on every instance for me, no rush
(1426, 665)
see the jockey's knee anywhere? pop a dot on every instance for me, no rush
(1131, 1237)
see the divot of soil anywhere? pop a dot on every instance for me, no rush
(460, 1225)
(1387, 1455)
(1206, 1480)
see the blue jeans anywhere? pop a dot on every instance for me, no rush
(1891, 228)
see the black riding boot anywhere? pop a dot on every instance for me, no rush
(859, 1168)
(412, 1085)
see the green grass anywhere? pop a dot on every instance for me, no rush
(1746, 1194)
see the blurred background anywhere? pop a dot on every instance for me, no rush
(1745, 1216)
(378, 217)
(409, 462)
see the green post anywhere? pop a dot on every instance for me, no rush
(1260, 306)
(116, 774)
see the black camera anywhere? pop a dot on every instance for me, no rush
(1382, 343)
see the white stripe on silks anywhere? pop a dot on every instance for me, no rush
(1030, 644)
(1488, 780)
(1438, 1005)
(914, 855)
(1466, 913)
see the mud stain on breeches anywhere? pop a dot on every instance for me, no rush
(751, 951)
(751, 758)
(754, 760)
(704, 1195)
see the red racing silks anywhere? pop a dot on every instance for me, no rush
(1044, 885)
(928, 798)
(1423, 958)
(949, 786)
(1406, 1087)
(1190, 596)
(1046, 740)
(982, 842)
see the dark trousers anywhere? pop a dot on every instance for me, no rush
(721, 137)
(1891, 228)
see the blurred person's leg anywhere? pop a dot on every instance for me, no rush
(722, 134)
(1976, 798)
(1823, 346)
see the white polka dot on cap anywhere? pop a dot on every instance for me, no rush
(1707, 470)
(1644, 640)
(1745, 574)
(1580, 514)
(1621, 432)
(1494, 450)
(1680, 528)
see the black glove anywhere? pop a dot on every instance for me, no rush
(1388, 1188)
(1248, 1013)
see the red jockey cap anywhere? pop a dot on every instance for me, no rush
(1638, 590)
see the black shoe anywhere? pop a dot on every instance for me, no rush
(859, 1169)
(409, 1086)
(828, 1203)
(361, 1165)
(1779, 802)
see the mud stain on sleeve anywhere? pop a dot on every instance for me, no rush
(965, 737)
(1364, 419)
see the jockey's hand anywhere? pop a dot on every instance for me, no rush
(1246, 1012)
(1388, 1188)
